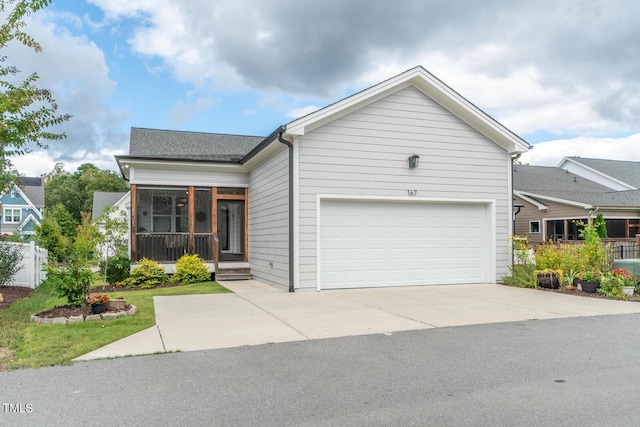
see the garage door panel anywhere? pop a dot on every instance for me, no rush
(367, 244)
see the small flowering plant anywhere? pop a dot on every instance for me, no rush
(590, 276)
(97, 299)
(621, 277)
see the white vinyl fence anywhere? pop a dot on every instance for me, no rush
(34, 260)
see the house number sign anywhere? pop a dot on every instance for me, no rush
(412, 192)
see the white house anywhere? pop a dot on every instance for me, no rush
(404, 183)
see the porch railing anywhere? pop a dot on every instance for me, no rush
(171, 246)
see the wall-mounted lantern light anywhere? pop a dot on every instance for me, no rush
(414, 161)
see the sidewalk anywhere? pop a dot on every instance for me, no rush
(257, 313)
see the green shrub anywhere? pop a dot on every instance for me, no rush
(521, 276)
(71, 281)
(191, 269)
(118, 268)
(147, 275)
(10, 258)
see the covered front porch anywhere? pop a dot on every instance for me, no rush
(168, 222)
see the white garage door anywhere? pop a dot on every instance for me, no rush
(374, 244)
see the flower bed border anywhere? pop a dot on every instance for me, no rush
(77, 319)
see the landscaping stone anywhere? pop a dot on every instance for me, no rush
(117, 304)
(77, 319)
(92, 317)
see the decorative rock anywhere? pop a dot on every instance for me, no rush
(108, 315)
(77, 319)
(117, 304)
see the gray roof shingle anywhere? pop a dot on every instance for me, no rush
(33, 188)
(561, 184)
(622, 170)
(182, 145)
(104, 199)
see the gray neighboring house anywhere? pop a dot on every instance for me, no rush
(554, 200)
(404, 183)
(106, 199)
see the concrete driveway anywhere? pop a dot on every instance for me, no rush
(257, 313)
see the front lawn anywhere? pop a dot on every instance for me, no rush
(30, 345)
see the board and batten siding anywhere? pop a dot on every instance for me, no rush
(365, 153)
(269, 219)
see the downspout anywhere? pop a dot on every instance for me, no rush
(291, 260)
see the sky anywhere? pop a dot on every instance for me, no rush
(564, 76)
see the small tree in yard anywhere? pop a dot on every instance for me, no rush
(10, 257)
(73, 280)
(115, 263)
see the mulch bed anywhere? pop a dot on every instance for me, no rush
(11, 294)
(635, 297)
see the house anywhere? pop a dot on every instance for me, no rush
(404, 183)
(554, 201)
(22, 206)
(118, 203)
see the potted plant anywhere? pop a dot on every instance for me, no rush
(617, 283)
(570, 280)
(98, 303)
(589, 280)
(548, 278)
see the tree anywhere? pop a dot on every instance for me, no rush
(26, 111)
(75, 190)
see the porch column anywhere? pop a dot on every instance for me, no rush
(134, 222)
(191, 241)
(214, 221)
(246, 224)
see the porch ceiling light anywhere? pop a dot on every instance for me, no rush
(414, 161)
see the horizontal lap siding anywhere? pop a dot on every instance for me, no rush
(163, 176)
(366, 152)
(269, 219)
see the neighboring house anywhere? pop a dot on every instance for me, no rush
(22, 206)
(555, 200)
(332, 200)
(618, 175)
(103, 200)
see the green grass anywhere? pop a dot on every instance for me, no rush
(30, 345)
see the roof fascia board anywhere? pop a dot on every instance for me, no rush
(196, 164)
(597, 172)
(430, 86)
(540, 206)
(561, 201)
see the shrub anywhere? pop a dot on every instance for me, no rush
(71, 281)
(191, 269)
(10, 257)
(147, 275)
(521, 276)
(118, 268)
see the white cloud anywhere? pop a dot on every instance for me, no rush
(550, 153)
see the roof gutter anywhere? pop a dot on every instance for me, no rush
(290, 145)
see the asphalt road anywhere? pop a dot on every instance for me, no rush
(561, 372)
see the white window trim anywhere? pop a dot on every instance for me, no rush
(539, 228)
(8, 219)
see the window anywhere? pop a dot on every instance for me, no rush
(534, 226)
(163, 211)
(12, 215)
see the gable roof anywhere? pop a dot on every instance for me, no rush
(33, 188)
(553, 183)
(432, 87)
(182, 145)
(104, 199)
(627, 172)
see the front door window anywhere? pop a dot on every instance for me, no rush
(231, 229)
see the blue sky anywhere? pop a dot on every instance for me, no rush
(565, 76)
